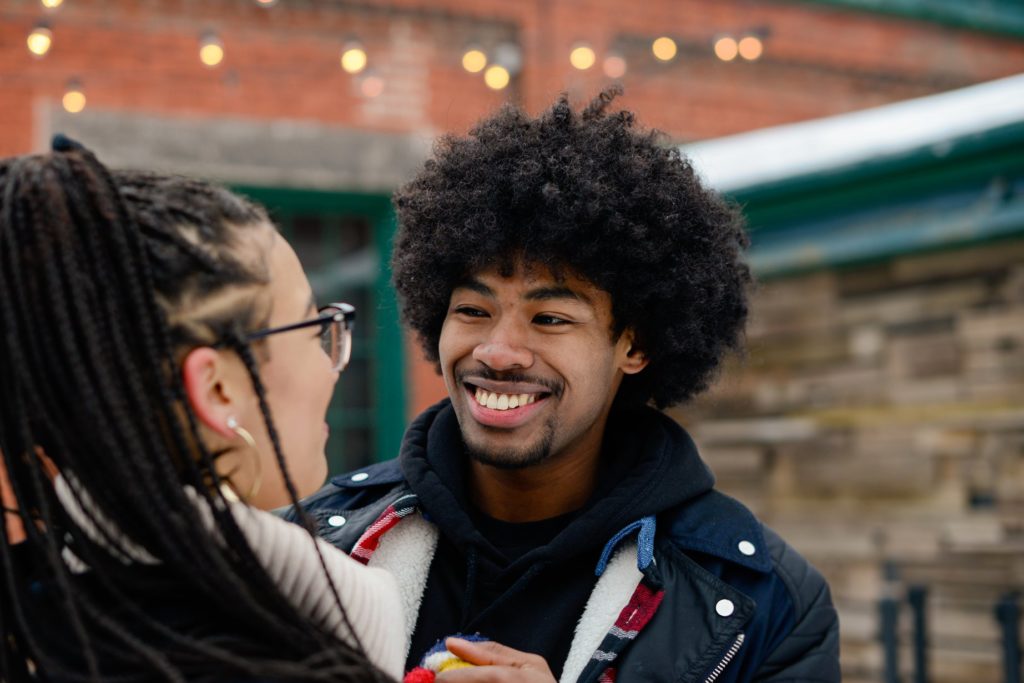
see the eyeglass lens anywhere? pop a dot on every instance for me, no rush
(337, 343)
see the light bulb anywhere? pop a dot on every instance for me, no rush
(614, 66)
(751, 48)
(582, 56)
(497, 77)
(664, 49)
(726, 48)
(40, 40)
(74, 98)
(353, 57)
(474, 60)
(211, 50)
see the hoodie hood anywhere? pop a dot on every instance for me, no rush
(649, 464)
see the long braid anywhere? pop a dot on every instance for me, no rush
(250, 363)
(109, 260)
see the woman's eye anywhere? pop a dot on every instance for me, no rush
(470, 311)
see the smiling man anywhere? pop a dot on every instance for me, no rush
(570, 276)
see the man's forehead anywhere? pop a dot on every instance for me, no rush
(530, 275)
(535, 278)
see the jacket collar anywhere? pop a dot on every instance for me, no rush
(707, 521)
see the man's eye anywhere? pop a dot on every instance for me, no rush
(470, 311)
(550, 320)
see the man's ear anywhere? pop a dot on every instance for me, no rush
(203, 373)
(634, 360)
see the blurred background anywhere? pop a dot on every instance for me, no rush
(877, 146)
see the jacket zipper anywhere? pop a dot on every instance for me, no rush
(717, 671)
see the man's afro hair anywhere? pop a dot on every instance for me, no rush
(590, 194)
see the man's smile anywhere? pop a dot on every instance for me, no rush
(504, 404)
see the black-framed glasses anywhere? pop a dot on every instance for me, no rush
(335, 321)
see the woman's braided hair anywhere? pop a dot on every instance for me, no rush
(99, 272)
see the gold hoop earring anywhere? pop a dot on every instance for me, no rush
(245, 436)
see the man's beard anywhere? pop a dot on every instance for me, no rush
(515, 459)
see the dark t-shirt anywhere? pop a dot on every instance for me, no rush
(530, 616)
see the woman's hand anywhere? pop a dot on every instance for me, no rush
(495, 663)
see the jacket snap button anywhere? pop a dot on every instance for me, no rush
(725, 608)
(361, 476)
(336, 520)
(747, 548)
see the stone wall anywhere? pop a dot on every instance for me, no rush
(878, 419)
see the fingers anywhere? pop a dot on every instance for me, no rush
(486, 674)
(487, 653)
(495, 663)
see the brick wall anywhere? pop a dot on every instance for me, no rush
(282, 62)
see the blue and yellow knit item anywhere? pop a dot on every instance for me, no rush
(438, 659)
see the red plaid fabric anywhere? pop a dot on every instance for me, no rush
(634, 616)
(370, 540)
(640, 609)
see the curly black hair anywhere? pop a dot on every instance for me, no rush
(591, 194)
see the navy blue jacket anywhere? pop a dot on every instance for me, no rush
(736, 602)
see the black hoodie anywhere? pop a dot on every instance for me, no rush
(525, 585)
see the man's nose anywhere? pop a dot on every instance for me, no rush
(503, 350)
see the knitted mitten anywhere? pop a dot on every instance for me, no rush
(438, 659)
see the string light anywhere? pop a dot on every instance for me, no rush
(40, 40)
(211, 50)
(664, 49)
(582, 56)
(497, 77)
(74, 98)
(474, 59)
(51, 4)
(614, 65)
(751, 48)
(266, 3)
(353, 57)
(726, 48)
(371, 85)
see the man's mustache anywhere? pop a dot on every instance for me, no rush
(483, 372)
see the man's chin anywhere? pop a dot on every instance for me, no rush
(507, 459)
(517, 457)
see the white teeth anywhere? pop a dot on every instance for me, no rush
(496, 401)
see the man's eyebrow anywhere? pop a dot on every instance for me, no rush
(476, 286)
(558, 292)
(538, 294)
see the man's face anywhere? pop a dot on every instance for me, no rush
(530, 365)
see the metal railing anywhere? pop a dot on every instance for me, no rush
(1007, 612)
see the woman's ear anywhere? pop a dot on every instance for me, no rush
(208, 389)
(633, 359)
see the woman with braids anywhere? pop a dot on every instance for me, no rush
(164, 376)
